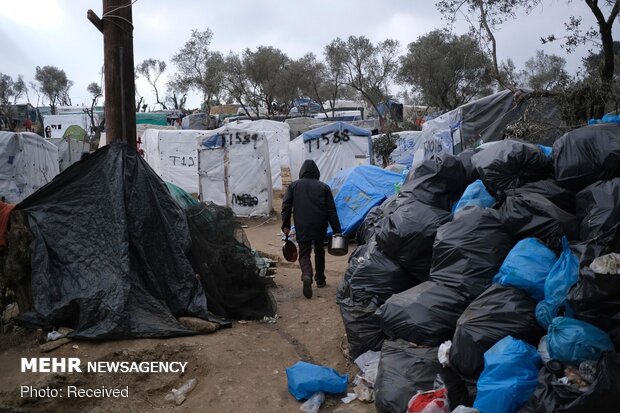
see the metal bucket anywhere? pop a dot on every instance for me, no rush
(338, 245)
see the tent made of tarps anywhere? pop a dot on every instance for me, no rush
(139, 132)
(55, 126)
(234, 171)
(333, 147)
(28, 162)
(482, 120)
(357, 190)
(173, 155)
(405, 144)
(69, 151)
(277, 134)
(199, 121)
(109, 255)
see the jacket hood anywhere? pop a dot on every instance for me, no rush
(309, 170)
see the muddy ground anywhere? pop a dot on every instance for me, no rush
(241, 369)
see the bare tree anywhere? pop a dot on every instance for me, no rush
(152, 70)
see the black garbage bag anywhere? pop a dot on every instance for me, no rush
(532, 215)
(373, 219)
(344, 288)
(500, 311)
(563, 198)
(109, 257)
(603, 395)
(509, 164)
(586, 155)
(361, 325)
(598, 208)
(469, 251)
(471, 174)
(595, 298)
(405, 369)
(408, 233)
(425, 314)
(371, 273)
(437, 182)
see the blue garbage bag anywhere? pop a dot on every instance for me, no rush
(305, 379)
(509, 377)
(475, 194)
(547, 150)
(563, 275)
(573, 341)
(526, 267)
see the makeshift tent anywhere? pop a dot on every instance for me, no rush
(277, 134)
(481, 120)
(116, 265)
(173, 155)
(357, 190)
(198, 121)
(334, 148)
(152, 118)
(72, 146)
(27, 163)
(140, 128)
(234, 171)
(56, 125)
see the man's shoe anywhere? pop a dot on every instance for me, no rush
(320, 283)
(307, 286)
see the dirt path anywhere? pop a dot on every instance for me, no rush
(241, 369)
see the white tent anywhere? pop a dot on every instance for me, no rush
(173, 155)
(140, 128)
(234, 171)
(278, 138)
(55, 126)
(28, 163)
(69, 151)
(334, 147)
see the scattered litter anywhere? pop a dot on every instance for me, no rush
(75, 347)
(313, 404)
(443, 354)
(606, 264)
(179, 395)
(270, 320)
(305, 379)
(54, 335)
(350, 397)
(364, 393)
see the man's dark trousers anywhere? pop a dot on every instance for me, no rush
(319, 260)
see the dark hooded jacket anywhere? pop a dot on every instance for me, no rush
(312, 205)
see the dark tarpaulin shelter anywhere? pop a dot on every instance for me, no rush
(109, 255)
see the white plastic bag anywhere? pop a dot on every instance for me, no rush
(313, 404)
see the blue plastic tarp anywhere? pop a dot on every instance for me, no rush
(357, 190)
(305, 379)
(336, 127)
(509, 377)
(526, 267)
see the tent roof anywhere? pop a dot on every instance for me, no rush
(335, 127)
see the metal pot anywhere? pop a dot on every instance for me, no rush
(338, 245)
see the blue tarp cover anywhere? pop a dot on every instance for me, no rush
(335, 127)
(357, 190)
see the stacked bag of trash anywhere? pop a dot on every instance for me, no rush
(513, 292)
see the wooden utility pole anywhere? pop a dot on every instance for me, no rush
(118, 69)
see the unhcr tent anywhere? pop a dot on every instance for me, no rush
(28, 163)
(234, 171)
(277, 134)
(357, 190)
(173, 155)
(334, 148)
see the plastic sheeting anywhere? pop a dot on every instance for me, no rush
(469, 251)
(598, 208)
(278, 139)
(586, 155)
(27, 162)
(404, 370)
(475, 195)
(509, 164)
(334, 148)
(173, 155)
(109, 255)
(70, 151)
(361, 326)
(500, 311)
(357, 190)
(425, 314)
(234, 170)
(562, 198)
(574, 341)
(305, 379)
(372, 221)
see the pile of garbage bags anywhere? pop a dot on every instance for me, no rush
(496, 274)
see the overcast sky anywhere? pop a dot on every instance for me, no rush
(56, 32)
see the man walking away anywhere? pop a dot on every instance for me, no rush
(312, 205)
